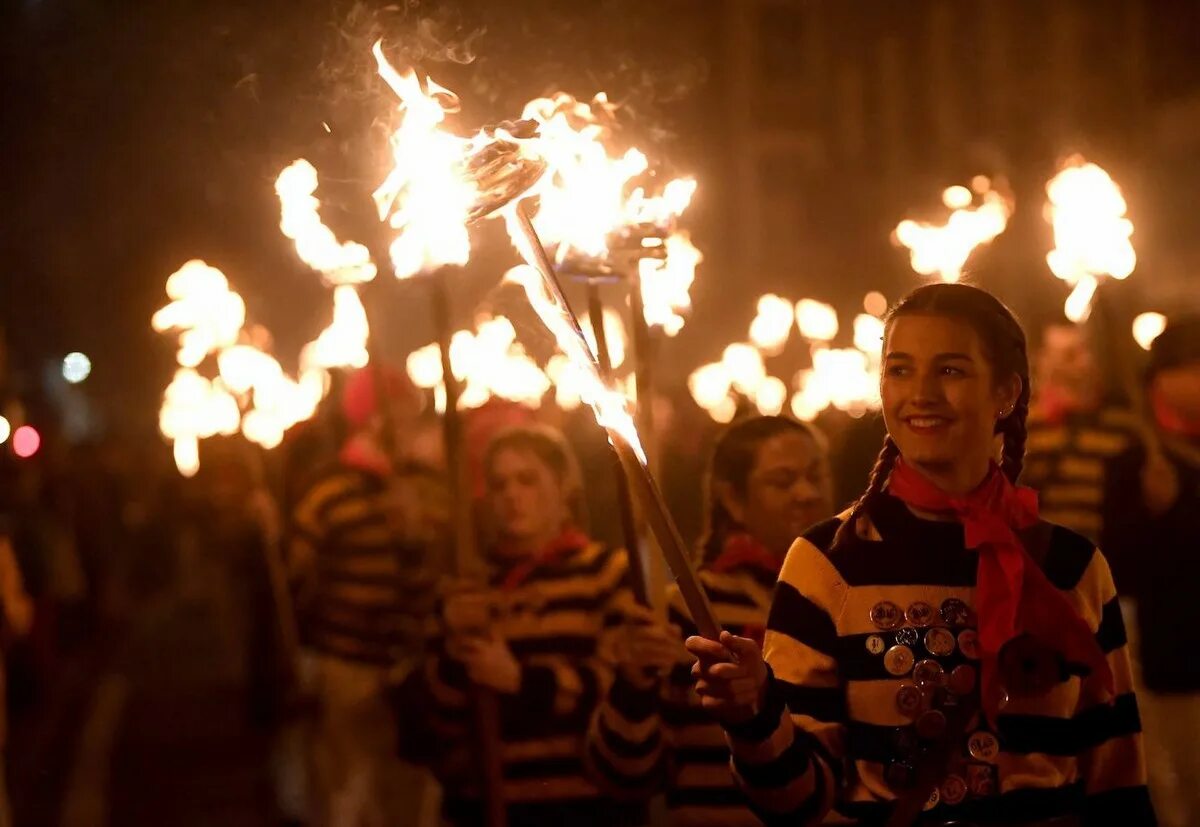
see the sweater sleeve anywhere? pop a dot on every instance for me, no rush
(788, 760)
(1111, 761)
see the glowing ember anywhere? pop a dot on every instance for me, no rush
(771, 327)
(943, 249)
(1147, 327)
(208, 315)
(817, 322)
(1091, 232)
(348, 263)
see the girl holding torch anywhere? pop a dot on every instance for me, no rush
(768, 480)
(937, 647)
(536, 636)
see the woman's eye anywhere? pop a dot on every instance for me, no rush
(950, 370)
(897, 370)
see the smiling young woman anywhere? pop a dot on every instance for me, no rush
(937, 652)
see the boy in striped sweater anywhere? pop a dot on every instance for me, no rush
(545, 648)
(938, 655)
(768, 479)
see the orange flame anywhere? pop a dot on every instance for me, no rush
(943, 249)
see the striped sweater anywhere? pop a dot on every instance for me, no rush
(833, 731)
(557, 622)
(1070, 462)
(646, 740)
(360, 553)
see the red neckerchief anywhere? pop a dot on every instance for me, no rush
(571, 539)
(1171, 420)
(362, 455)
(1013, 593)
(740, 549)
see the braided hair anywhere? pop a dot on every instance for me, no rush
(1003, 343)
(732, 462)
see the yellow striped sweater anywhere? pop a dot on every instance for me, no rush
(1070, 462)
(659, 739)
(556, 623)
(361, 551)
(832, 730)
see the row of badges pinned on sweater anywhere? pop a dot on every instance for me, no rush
(886, 615)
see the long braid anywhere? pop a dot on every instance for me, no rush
(1012, 457)
(884, 464)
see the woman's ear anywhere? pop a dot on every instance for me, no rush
(1007, 395)
(730, 501)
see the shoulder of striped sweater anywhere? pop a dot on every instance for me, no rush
(811, 566)
(1068, 557)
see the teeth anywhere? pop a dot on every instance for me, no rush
(926, 422)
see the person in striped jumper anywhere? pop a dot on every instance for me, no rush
(937, 654)
(768, 480)
(365, 538)
(542, 644)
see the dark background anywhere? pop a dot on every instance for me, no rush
(138, 135)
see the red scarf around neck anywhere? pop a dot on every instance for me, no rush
(1013, 594)
(741, 549)
(571, 539)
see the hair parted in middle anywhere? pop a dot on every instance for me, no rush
(1003, 342)
(552, 450)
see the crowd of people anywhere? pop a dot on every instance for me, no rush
(945, 647)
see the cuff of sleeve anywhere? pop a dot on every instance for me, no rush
(538, 688)
(635, 703)
(766, 720)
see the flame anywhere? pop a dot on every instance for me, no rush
(710, 385)
(489, 363)
(348, 263)
(611, 406)
(427, 197)
(771, 327)
(587, 199)
(1091, 232)
(944, 248)
(841, 378)
(817, 322)
(207, 314)
(868, 334)
(1147, 327)
(344, 342)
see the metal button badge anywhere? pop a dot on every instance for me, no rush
(968, 643)
(983, 746)
(981, 779)
(907, 636)
(962, 679)
(954, 789)
(955, 613)
(876, 645)
(886, 615)
(920, 614)
(900, 775)
(931, 725)
(898, 660)
(929, 673)
(934, 798)
(939, 641)
(908, 700)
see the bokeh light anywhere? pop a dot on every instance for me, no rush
(76, 367)
(5, 430)
(26, 441)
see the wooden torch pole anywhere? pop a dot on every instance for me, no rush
(466, 560)
(641, 482)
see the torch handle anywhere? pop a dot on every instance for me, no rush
(637, 569)
(669, 540)
(640, 480)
